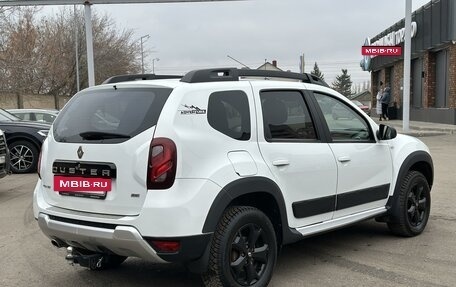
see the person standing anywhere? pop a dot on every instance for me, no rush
(386, 98)
(378, 108)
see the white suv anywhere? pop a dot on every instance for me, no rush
(218, 169)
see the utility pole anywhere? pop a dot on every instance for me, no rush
(407, 58)
(76, 48)
(302, 64)
(142, 51)
(153, 64)
(89, 41)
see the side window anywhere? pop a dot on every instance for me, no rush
(23, 116)
(344, 123)
(27, 116)
(228, 112)
(286, 116)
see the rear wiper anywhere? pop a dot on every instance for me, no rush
(102, 136)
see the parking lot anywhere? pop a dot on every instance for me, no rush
(361, 255)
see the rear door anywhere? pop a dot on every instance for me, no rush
(301, 163)
(364, 166)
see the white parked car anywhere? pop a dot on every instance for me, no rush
(217, 170)
(35, 115)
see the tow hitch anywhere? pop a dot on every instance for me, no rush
(91, 261)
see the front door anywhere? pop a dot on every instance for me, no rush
(364, 165)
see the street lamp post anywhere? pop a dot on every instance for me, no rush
(153, 64)
(142, 51)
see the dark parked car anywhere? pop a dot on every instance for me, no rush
(4, 156)
(24, 140)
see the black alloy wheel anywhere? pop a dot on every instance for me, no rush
(23, 157)
(410, 213)
(249, 254)
(243, 250)
(416, 205)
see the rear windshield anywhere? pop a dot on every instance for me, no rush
(109, 116)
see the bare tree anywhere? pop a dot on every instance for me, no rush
(38, 56)
(19, 51)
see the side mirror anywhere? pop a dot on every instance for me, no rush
(386, 132)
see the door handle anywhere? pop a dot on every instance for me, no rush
(344, 159)
(280, 162)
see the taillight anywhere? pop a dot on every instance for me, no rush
(38, 167)
(161, 170)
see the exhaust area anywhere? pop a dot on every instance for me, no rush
(58, 243)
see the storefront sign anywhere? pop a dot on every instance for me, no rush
(391, 39)
(381, 50)
(395, 38)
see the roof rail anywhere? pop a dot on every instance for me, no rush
(139, 77)
(233, 74)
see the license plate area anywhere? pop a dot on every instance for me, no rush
(91, 187)
(83, 179)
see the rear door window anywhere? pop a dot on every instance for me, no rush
(228, 113)
(110, 115)
(286, 117)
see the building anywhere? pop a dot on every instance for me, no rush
(433, 67)
(270, 67)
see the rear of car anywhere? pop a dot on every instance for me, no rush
(108, 185)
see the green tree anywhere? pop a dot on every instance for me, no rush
(343, 83)
(316, 72)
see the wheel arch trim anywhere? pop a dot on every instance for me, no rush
(411, 160)
(23, 137)
(246, 186)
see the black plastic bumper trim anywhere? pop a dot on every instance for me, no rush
(191, 247)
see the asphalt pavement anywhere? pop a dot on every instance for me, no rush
(364, 254)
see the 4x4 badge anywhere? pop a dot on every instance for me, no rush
(80, 152)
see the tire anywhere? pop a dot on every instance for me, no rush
(24, 157)
(413, 206)
(243, 249)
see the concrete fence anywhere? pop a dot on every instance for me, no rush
(15, 101)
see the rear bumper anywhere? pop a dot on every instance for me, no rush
(121, 240)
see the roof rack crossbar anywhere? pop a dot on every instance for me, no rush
(233, 74)
(139, 77)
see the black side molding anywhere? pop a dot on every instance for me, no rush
(316, 206)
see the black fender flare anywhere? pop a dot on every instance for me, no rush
(246, 186)
(410, 160)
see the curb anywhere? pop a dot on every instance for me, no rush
(421, 130)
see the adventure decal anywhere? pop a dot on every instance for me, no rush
(192, 110)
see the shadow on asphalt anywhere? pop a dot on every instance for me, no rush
(136, 272)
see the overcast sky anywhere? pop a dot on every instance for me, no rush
(186, 36)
